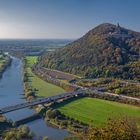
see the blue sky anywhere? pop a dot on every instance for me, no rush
(64, 18)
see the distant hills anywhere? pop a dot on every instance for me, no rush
(106, 51)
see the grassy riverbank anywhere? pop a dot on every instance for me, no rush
(4, 62)
(95, 112)
(44, 88)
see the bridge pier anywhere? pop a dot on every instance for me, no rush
(27, 119)
(46, 100)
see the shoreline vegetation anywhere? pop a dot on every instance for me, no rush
(35, 86)
(4, 124)
(31, 94)
(7, 128)
(64, 115)
(5, 61)
(21, 133)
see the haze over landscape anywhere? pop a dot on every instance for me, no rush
(69, 70)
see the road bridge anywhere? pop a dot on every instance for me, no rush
(80, 93)
(50, 99)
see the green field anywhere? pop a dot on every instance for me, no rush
(96, 111)
(44, 88)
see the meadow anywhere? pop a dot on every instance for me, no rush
(44, 89)
(97, 111)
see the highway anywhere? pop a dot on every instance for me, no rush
(95, 91)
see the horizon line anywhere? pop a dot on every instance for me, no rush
(38, 38)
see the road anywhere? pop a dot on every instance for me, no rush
(114, 95)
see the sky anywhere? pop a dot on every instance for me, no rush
(67, 19)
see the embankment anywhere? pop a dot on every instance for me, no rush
(6, 62)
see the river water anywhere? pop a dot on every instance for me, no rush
(11, 93)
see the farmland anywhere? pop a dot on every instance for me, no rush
(96, 111)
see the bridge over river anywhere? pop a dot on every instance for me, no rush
(50, 99)
(80, 93)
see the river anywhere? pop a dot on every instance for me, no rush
(11, 93)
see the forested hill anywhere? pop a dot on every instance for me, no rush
(106, 51)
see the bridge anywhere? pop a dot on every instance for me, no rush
(41, 101)
(80, 93)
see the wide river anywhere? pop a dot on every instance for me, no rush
(11, 93)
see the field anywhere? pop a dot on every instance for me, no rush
(44, 88)
(60, 75)
(96, 111)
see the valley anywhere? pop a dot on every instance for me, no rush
(71, 96)
(69, 70)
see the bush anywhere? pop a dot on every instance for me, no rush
(21, 133)
(52, 114)
(117, 129)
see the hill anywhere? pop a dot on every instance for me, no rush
(106, 51)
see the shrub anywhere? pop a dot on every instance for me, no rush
(116, 129)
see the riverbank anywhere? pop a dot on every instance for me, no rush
(28, 91)
(4, 124)
(93, 112)
(59, 120)
(20, 133)
(28, 77)
(10, 87)
(5, 61)
(33, 85)
(11, 93)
